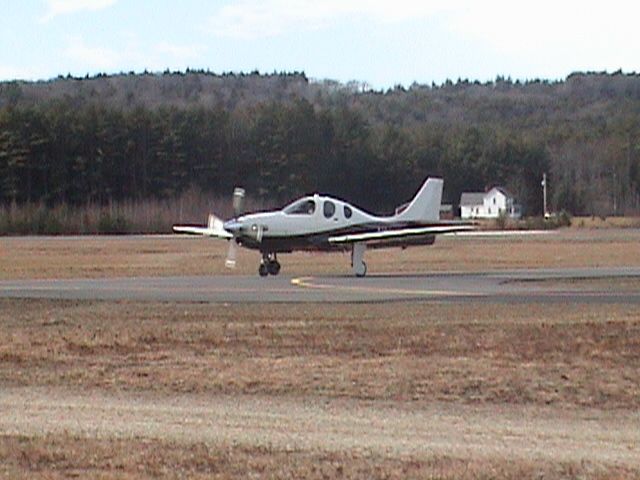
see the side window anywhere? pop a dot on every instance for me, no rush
(347, 212)
(328, 209)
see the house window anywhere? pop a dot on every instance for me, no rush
(494, 201)
(490, 208)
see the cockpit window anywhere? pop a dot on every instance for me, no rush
(347, 212)
(329, 208)
(305, 206)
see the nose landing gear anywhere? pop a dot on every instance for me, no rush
(269, 265)
(358, 266)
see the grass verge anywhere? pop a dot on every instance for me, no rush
(580, 355)
(66, 456)
(101, 256)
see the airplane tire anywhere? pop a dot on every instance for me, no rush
(273, 268)
(263, 270)
(361, 271)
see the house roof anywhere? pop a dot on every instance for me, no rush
(468, 199)
(502, 190)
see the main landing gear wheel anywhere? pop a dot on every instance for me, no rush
(273, 267)
(263, 270)
(269, 265)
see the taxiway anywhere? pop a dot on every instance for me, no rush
(504, 286)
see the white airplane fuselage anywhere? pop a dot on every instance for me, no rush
(295, 228)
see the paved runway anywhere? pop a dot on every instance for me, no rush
(512, 286)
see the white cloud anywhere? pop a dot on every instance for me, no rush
(135, 55)
(514, 25)
(250, 19)
(64, 7)
(11, 72)
(552, 35)
(179, 52)
(555, 35)
(93, 58)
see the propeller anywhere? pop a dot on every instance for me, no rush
(238, 203)
(230, 261)
(235, 228)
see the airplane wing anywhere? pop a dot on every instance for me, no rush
(498, 233)
(214, 228)
(398, 234)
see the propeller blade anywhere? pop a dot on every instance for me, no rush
(230, 261)
(238, 201)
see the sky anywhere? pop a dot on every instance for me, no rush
(379, 43)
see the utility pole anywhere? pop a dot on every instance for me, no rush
(544, 194)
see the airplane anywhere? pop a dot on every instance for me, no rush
(320, 222)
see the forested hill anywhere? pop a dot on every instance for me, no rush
(122, 137)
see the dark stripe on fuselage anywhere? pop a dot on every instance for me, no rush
(320, 240)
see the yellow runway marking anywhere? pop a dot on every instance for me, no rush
(307, 282)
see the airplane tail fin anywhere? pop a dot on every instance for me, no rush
(425, 206)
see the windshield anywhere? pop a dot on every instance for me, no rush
(305, 206)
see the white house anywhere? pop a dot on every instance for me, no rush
(489, 205)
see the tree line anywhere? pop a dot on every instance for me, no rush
(294, 137)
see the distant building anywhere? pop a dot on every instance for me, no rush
(489, 204)
(446, 211)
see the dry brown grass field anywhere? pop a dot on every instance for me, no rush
(546, 391)
(99, 256)
(605, 222)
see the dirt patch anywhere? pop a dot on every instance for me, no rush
(543, 435)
